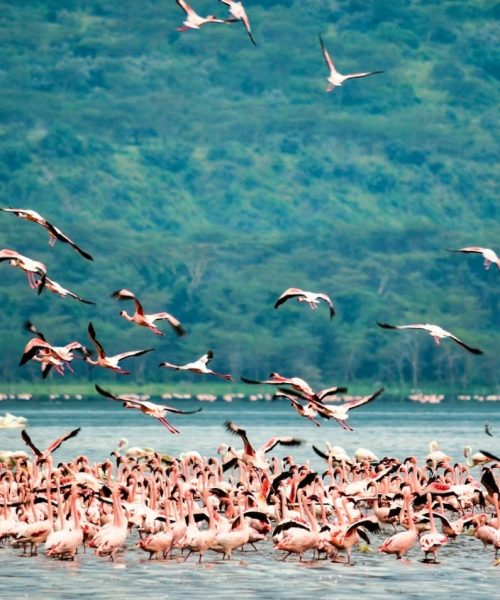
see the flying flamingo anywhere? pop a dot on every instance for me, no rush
(54, 232)
(193, 19)
(312, 298)
(58, 289)
(158, 411)
(237, 10)
(257, 457)
(52, 447)
(198, 366)
(438, 333)
(140, 318)
(28, 265)
(335, 78)
(490, 256)
(110, 362)
(340, 412)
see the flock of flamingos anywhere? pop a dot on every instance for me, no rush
(171, 508)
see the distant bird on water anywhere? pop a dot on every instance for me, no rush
(489, 255)
(335, 78)
(237, 10)
(487, 429)
(110, 362)
(28, 265)
(198, 366)
(438, 333)
(312, 298)
(140, 318)
(158, 411)
(193, 19)
(54, 232)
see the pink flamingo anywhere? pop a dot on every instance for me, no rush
(401, 542)
(140, 318)
(312, 298)
(198, 366)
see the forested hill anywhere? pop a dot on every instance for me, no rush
(207, 175)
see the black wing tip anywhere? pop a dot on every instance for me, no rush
(385, 325)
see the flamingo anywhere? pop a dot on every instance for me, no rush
(51, 447)
(401, 542)
(67, 543)
(438, 333)
(297, 384)
(110, 362)
(158, 411)
(193, 19)
(58, 289)
(308, 411)
(140, 318)
(110, 538)
(312, 298)
(490, 257)
(257, 457)
(341, 412)
(432, 541)
(28, 265)
(54, 232)
(198, 366)
(335, 78)
(237, 10)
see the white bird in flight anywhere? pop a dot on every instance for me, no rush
(438, 333)
(198, 366)
(489, 255)
(312, 298)
(193, 19)
(237, 10)
(336, 79)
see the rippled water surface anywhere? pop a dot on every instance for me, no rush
(387, 427)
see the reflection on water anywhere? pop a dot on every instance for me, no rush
(387, 427)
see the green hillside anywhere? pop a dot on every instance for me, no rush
(207, 175)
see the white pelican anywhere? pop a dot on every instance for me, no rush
(140, 318)
(335, 78)
(312, 298)
(488, 254)
(54, 232)
(438, 333)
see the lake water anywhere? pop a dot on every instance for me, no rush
(387, 427)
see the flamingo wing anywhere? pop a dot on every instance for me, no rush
(27, 439)
(130, 353)
(320, 452)
(328, 300)
(93, 339)
(464, 345)
(355, 403)
(56, 443)
(412, 326)
(359, 75)
(185, 6)
(128, 295)
(287, 294)
(57, 233)
(327, 57)
(235, 430)
(172, 321)
(283, 441)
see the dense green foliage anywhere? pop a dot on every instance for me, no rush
(208, 175)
